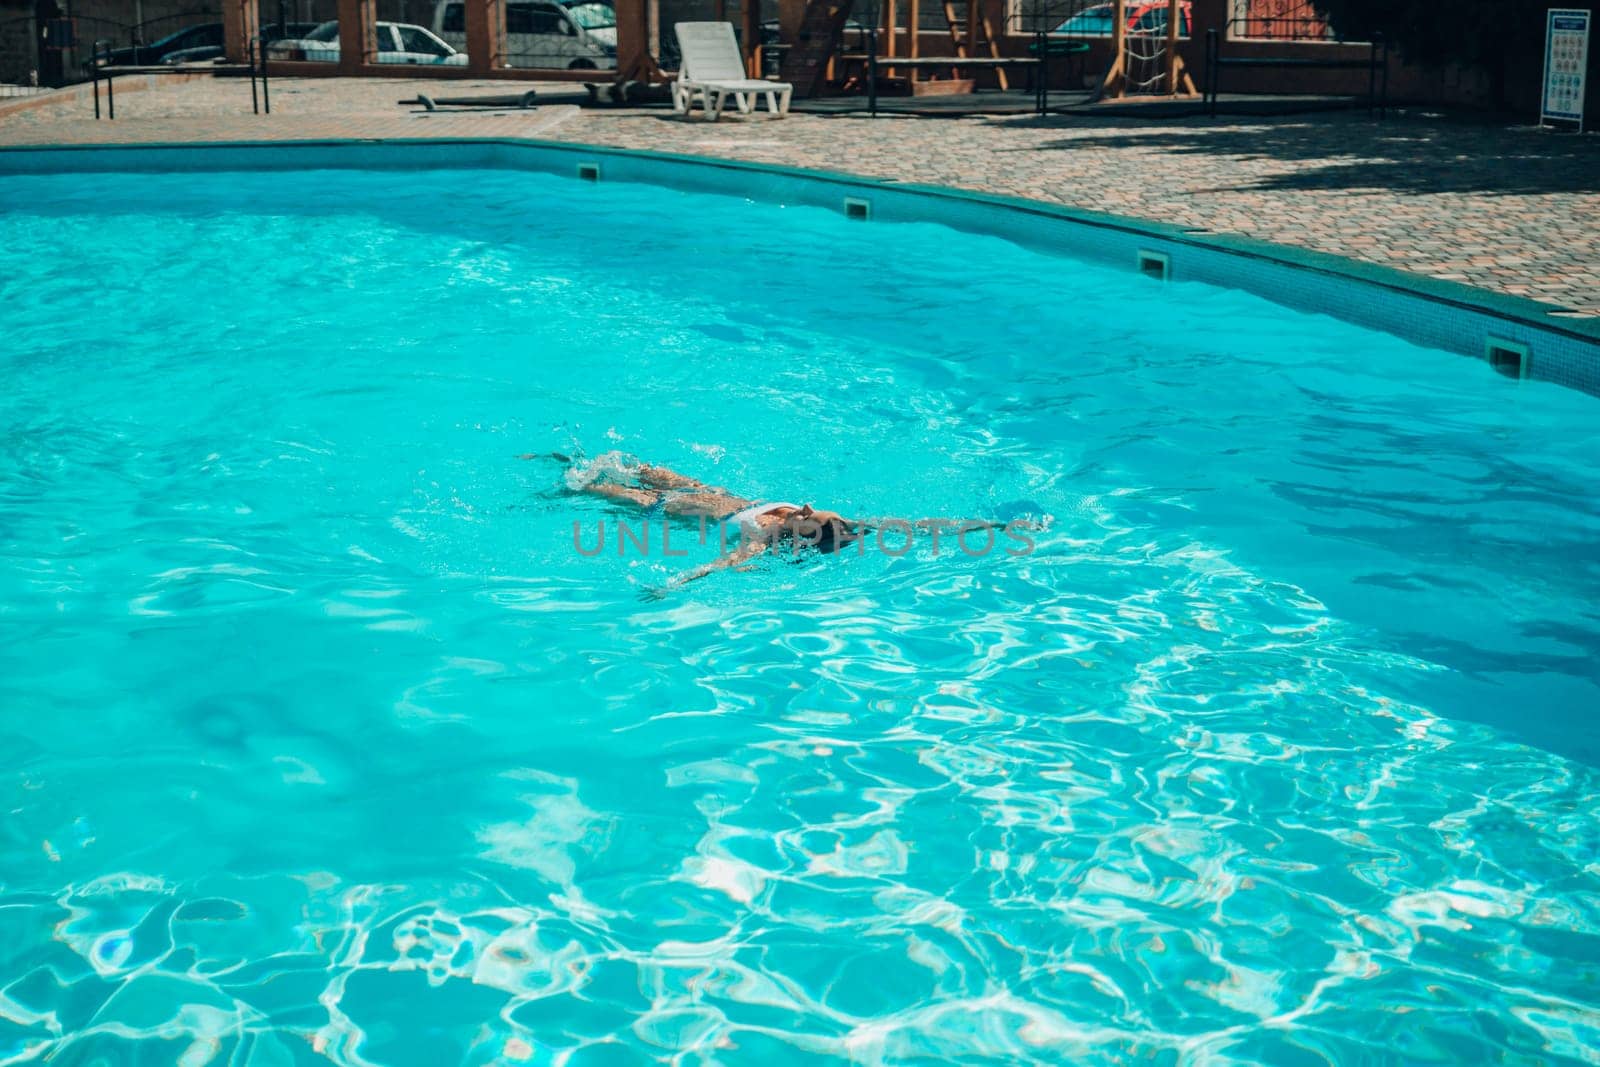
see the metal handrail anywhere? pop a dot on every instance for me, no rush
(257, 61)
(111, 82)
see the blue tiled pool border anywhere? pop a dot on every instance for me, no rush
(1440, 314)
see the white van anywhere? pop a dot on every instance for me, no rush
(549, 34)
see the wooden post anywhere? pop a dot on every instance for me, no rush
(791, 18)
(752, 38)
(241, 22)
(1174, 16)
(913, 32)
(358, 41)
(486, 35)
(993, 14)
(1179, 81)
(1116, 75)
(973, 14)
(634, 61)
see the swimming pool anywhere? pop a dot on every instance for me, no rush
(321, 734)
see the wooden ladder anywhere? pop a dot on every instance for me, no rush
(980, 33)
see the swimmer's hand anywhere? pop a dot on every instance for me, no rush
(557, 456)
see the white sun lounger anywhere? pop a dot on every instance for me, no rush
(713, 70)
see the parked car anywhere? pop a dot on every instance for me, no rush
(211, 53)
(581, 35)
(282, 31)
(597, 18)
(200, 35)
(215, 54)
(1144, 16)
(398, 42)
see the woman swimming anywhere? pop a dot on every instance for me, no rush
(662, 491)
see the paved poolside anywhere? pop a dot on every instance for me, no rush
(1514, 210)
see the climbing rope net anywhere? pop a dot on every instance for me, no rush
(1145, 53)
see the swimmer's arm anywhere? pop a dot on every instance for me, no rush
(737, 558)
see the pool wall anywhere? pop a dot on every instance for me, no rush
(1549, 346)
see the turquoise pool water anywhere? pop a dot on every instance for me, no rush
(319, 741)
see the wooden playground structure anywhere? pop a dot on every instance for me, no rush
(1142, 64)
(1144, 50)
(976, 48)
(1173, 74)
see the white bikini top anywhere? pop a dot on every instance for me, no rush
(748, 517)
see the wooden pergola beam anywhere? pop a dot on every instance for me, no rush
(486, 35)
(1115, 81)
(752, 38)
(358, 40)
(241, 22)
(634, 59)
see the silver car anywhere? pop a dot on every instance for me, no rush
(398, 42)
(544, 33)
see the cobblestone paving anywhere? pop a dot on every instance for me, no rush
(1514, 210)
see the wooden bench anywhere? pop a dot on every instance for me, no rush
(952, 61)
(954, 64)
(1376, 64)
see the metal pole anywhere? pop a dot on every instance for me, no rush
(1042, 51)
(1042, 47)
(255, 105)
(1213, 65)
(872, 67)
(94, 72)
(266, 90)
(1383, 91)
(1372, 78)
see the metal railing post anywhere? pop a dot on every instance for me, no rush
(1372, 78)
(1042, 46)
(250, 57)
(872, 70)
(266, 89)
(1212, 65)
(1383, 89)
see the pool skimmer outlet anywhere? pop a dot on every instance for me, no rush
(857, 208)
(1157, 265)
(1507, 357)
(589, 172)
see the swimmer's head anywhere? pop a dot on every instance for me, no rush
(827, 530)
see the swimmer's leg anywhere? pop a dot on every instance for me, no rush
(624, 494)
(706, 504)
(666, 478)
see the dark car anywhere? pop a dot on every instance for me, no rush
(210, 53)
(201, 35)
(197, 44)
(285, 31)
